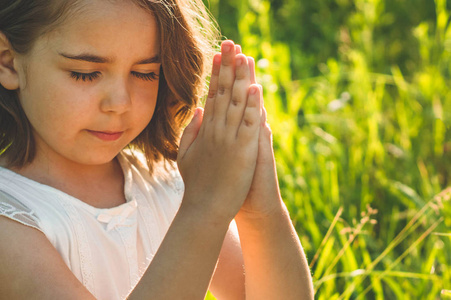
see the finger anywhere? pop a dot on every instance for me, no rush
(213, 87)
(237, 49)
(251, 63)
(239, 95)
(225, 81)
(262, 103)
(190, 132)
(265, 151)
(264, 115)
(250, 124)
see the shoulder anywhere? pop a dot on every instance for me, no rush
(15, 210)
(30, 203)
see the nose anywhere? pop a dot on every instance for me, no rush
(117, 97)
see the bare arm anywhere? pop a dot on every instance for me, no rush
(185, 261)
(31, 268)
(228, 278)
(276, 267)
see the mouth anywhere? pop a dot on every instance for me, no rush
(106, 135)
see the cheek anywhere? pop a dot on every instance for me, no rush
(53, 109)
(146, 102)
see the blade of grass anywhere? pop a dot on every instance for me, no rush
(326, 237)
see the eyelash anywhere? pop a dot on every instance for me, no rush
(92, 76)
(84, 76)
(146, 76)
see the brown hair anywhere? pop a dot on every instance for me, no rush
(187, 40)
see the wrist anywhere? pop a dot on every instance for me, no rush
(202, 211)
(260, 219)
(254, 209)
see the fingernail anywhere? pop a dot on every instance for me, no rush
(196, 112)
(239, 61)
(253, 90)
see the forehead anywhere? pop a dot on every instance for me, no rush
(105, 26)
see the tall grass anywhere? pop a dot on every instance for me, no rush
(362, 137)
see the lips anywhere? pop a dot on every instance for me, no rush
(106, 135)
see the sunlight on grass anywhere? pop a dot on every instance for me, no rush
(358, 98)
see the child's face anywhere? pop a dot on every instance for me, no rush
(90, 87)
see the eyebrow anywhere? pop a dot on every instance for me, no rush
(102, 60)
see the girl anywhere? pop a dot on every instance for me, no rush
(93, 97)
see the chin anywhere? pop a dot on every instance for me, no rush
(100, 158)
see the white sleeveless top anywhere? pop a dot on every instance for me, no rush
(108, 250)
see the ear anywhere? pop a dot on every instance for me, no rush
(9, 78)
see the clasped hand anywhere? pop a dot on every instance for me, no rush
(225, 156)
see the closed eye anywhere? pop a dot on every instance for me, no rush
(94, 75)
(145, 76)
(84, 76)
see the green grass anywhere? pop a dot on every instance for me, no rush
(362, 136)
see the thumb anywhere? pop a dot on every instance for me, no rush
(190, 132)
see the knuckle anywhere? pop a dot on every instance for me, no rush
(223, 89)
(212, 93)
(227, 61)
(240, 74)
(249, 123)
(236, 101)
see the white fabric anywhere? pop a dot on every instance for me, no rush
(108, 250)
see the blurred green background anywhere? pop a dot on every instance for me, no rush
(358, 97)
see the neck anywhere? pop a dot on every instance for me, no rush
(97, 185)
